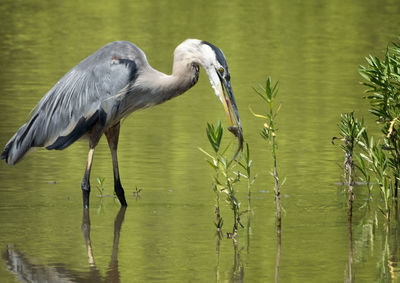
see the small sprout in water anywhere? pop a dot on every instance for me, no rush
(100, 185)
(136, 193)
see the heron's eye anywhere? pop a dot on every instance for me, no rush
(221, 70)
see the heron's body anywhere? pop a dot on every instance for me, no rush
(96, 94)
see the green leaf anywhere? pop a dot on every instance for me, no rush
(214, 134)
(205, 152)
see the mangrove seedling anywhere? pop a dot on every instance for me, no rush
(224, 178)
(350, 131)
(100, 188)
(378, 158)
(268, 132)
(214, 134)
(100, 185)
(378, 164)
(246, 163)
(136, 193)
(383, 92)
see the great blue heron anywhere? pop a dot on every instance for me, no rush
(114, 81)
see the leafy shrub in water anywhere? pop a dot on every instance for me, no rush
(225, 177)
(383, 83)
(379, 157)
(268, 132)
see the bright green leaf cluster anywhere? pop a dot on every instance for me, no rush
(268, 94)
(383, 82)
(270, 91)
(214, 135)
(350, 129)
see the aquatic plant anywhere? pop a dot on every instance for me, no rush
(101, 189)
(246, 163)
(379, 157)
(383, 92)
(214, 135)
(268, 133)
(350, 131)
(137, 192)
(377, 163)
(370, 158)
(100, 185)
(225, 178)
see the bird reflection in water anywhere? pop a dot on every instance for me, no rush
(26, 271)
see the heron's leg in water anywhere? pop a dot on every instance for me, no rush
(93, 140)
(112, 135)
(86, 179)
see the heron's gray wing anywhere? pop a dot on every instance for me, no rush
(75, 104)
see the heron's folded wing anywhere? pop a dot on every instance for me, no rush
(75, 104)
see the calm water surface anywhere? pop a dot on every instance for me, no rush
(313, 47)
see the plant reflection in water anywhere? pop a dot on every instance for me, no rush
(237, 270)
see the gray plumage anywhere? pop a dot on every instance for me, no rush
(108, 85)
(79, 94)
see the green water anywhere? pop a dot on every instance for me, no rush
(313, 47)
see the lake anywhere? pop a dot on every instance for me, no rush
(167, 233)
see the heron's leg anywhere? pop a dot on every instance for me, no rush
(112, 135)
(86, 179)
(93, 140)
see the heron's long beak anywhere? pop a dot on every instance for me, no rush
(228, 101)
(225, 93)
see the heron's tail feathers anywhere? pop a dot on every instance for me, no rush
(21, 142)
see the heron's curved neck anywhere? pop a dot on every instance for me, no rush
(185, 74)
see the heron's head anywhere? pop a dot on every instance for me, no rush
(212, 59)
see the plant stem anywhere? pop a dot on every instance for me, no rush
(218, 218)
(277, 193)
(276, 178)
(351, 182)
(397, 157)
(268, 94)
(235, 226)
(248, 195)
